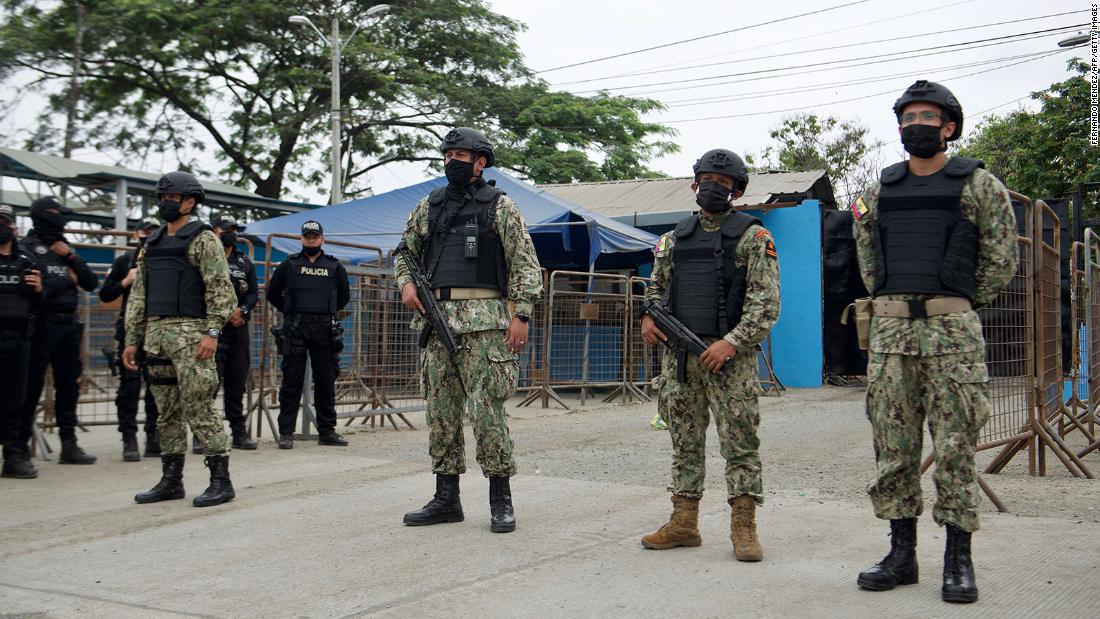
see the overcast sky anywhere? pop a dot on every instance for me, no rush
(570, 31)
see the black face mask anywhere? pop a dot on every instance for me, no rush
(922, 141)
(49, 225)
(712, 197)
(229, 238)
(311, 251)
(459, 173)
(169, 210)
(6, 234)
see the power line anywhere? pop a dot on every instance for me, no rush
(819, 49)
(811, 68)
(940, 49)
(866, 80)
(705, 36)
(923, 11)
(849, 100)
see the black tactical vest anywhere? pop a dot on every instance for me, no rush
(707, 292)
(311, 286)
(173, 286)
(445, 259)
(239, 266)
(923, 244)
(52, 265)
(15, 294)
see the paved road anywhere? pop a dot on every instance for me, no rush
(317, 531)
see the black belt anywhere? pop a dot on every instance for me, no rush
(304, 318)
(58, 317)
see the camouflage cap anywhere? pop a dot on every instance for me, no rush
(7, 212)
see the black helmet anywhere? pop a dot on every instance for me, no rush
(181, 183)
(468, 139)
(724, 162)
(226, 222)
(938, 94)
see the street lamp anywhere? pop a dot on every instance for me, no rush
(336, 46)
(1074, 41)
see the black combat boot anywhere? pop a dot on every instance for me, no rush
(500, 506)
(900, 566)
(152, 444)
(286, 441)
(330, 437)
(19, 467)
(71, 453)
(170, 486)
(958, 569)
(444, 506)
(241, 440)
(197, 447)
(130, 451)
(221, 488)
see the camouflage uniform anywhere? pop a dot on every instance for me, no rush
(934, 367)
(731, 394)
(191, 401)
(485, 373)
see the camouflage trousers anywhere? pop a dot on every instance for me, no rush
(731, 397)
(184, 387)
(952, 393)
(479, 380)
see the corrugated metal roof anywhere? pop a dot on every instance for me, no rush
(51, 168)
(661, 195)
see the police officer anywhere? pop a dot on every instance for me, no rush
(309, 288)
(473, 246)
(936, 237)
(718, 273)
(20, 294)
(233, 355)
(181, 297)
(120, 279)
(58, 334)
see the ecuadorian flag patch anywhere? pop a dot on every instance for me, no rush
(662, 246)
(859, 209)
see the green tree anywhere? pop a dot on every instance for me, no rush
(1043, 154)
(170, 77)
(840, 147)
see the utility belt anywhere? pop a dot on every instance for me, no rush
(465, 294)
(867, 307)
(59, 318)
(287, 343)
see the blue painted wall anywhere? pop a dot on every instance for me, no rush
(797, 346)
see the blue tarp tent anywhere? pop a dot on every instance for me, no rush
(566, 236)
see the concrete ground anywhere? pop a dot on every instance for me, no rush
(316, 532)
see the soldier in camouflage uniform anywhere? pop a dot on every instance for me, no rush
(936, 237)
(181, 297)
(473, 246)
(718, 273)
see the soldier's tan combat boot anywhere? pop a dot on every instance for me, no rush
(682, 528)
(746, 547)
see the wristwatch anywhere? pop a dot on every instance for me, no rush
(523, 318)
(214, 333)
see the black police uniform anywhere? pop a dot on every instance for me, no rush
(233, 355)
(129, 384)
(18, 302)
(57, 338)
(309, 294)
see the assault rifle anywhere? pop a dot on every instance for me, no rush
(680, 338)
(433, 313)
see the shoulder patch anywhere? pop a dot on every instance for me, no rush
(762, 234)
(769, 249)
(859, 209)
(662, 247)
